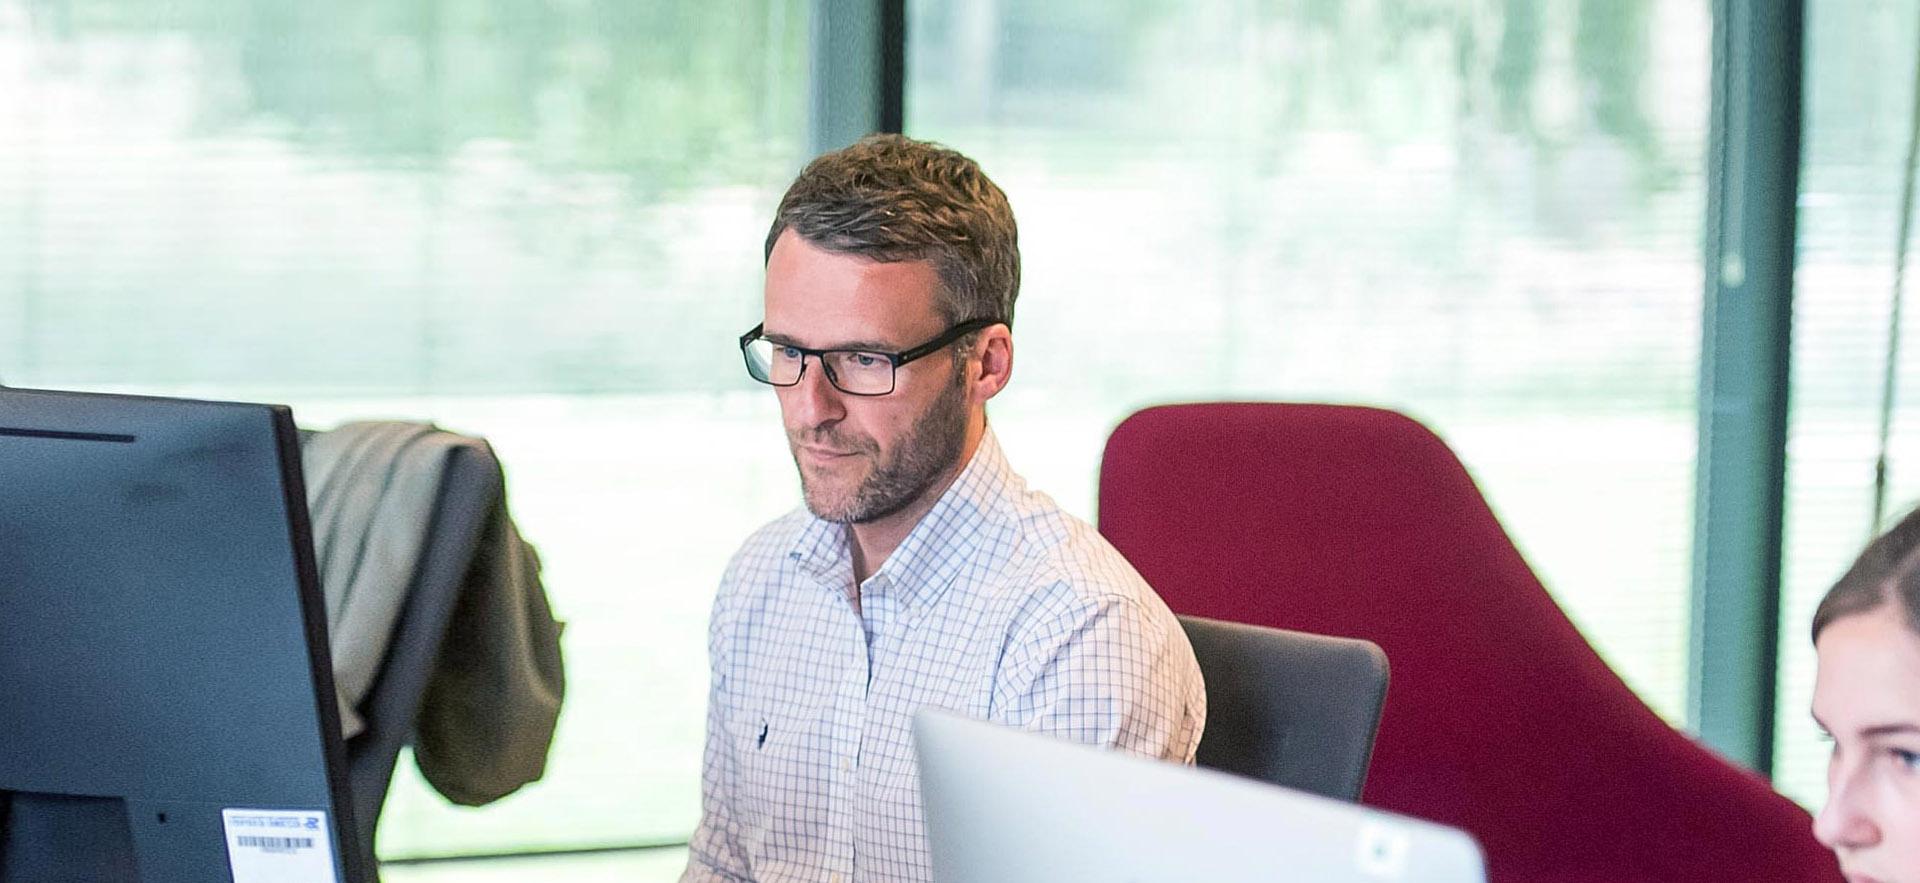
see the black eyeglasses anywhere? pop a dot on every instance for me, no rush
(854, 372)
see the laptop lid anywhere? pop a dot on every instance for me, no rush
(1004, 806)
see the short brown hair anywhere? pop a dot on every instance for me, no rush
(892, 198)
(1887, 572)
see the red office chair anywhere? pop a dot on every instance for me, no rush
(1500, 718)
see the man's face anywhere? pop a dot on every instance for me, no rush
(862, 458)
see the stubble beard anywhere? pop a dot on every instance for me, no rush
(898, 478)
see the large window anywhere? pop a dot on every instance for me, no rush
(1486, 214)
(1859, 113)
(540, 222)
(534, 221)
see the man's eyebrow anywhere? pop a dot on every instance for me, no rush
(869, 345)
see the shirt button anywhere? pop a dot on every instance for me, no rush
(834, 879)
(846, 766)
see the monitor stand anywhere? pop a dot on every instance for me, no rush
(57, 838)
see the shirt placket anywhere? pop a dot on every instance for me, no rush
(850, 724)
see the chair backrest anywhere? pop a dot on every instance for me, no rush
(1500, 718)
(1287, 707)
(470, 487)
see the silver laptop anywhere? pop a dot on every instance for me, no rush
(1010, 807)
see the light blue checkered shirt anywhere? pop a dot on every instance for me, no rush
(997, 605)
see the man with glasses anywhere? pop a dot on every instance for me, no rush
(921, 571)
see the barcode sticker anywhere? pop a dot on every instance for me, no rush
(279, 846)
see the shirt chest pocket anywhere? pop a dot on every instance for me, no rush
(782, 763)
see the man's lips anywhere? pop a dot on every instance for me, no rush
(824, 455)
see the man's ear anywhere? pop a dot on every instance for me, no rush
(992, 364)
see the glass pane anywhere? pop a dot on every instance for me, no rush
(539, 222)
(1486, 214)
(1859, 109)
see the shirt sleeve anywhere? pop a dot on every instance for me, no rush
(1104, 671)
(713, 856)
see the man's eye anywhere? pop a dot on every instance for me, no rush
(787, 352)
(865, 360)
(1907, 759)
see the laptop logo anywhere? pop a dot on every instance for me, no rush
(1380, 851)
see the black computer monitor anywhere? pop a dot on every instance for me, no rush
(167, 712)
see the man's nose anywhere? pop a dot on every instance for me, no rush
(813, 401)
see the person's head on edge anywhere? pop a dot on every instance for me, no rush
(886, 248)
(1866, 696)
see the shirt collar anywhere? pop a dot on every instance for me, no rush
(925, 563)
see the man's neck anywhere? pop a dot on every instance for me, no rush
(873, 542)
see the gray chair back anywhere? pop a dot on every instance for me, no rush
(1287, 707)
(470, 487)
